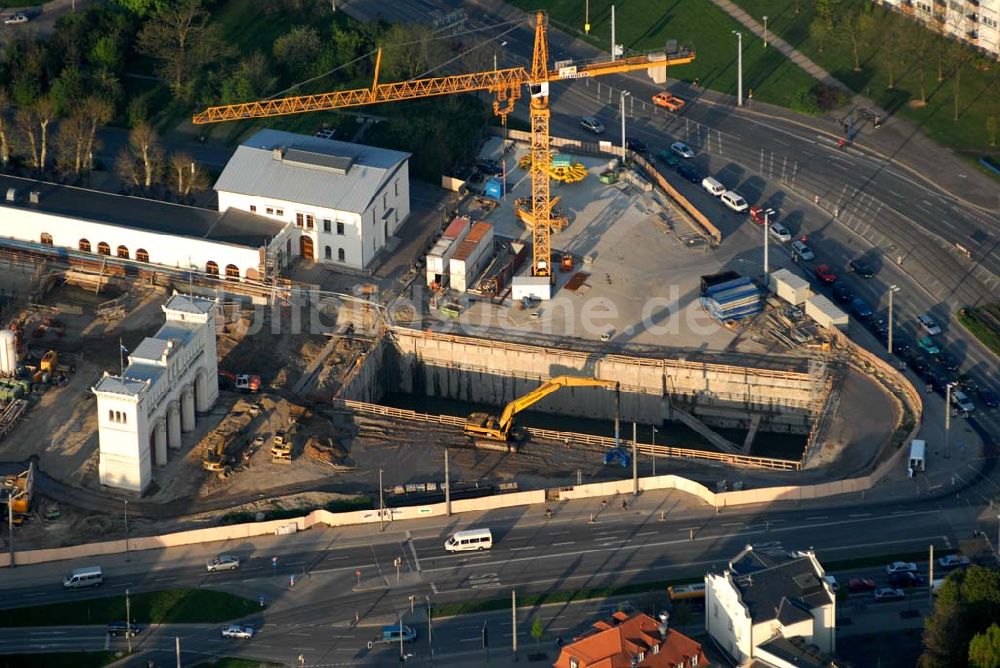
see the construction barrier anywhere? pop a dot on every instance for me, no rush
(698, 221)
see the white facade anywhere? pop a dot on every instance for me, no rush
(739, 630)
(169, 377)
(147, 231)
(974, 21)
(344, 201)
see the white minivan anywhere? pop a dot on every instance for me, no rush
(734, 201)
(713, 186)
(471, 539)
(84, 577)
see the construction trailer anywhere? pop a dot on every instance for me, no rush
(826, 313)
(789, 286)
(438, 258)
(729, 296)
(471, 257)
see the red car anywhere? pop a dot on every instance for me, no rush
(825, 274)
(861, 584)
(758, 214)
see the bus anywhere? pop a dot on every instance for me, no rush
(690, 592)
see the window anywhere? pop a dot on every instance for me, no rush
(694, 660)
(232, 271)
(85, 245)
(396, 186)
(103, 248)
(111, 416)
(328, 253)
(142, 255)
(211, 268)
(46, 239)
(340, 254)
(326, 224)
(270, 211)
(299, 219)
(340, 228)
(385, 201)
(574, 662)
(279, 212)
(122, 252)
(990, 22)
(310, 221)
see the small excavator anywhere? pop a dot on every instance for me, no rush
(483, 425)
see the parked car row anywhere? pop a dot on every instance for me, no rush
(903, 575)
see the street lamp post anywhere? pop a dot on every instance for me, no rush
(624, 93)
(765, 32)
(586, 17)
(381, 504)
(739, 68)
(947, 420)
(126, 529)
(767, 225)
(128, 621)
(430, 629)
(892, 289)
(653, 443)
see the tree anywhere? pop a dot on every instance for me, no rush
(145, 146)
(346, 45)
(968, 603)
(297, 48)
(537, 630)
(70, 143)
(252, 80)
(142, 8)
(958, 56)
(187, 176)
(67, 91)
(819, 33)
(919, 41)
(24, 119)
(409, 51)
(179, 37)
(855, 27)
(826, 10)
(45, 112)
(893, 46)
(106, 56)
(991, 129)
(128, 168)
(5, 137)
(984, 648)
(98, 112)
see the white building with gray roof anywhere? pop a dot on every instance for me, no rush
(170, 377)
(345, 201)
(766, 594)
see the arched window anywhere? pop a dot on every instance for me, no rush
(85, 245)
(232, 271)
(123, 252)
(211, 268)
(328, 253)
(103, 248)
(124, 418)
(340, 254)
(141, 255)
(111, 415)
(46, 239)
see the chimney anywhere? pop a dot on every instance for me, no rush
(276, 154)
(664, 618)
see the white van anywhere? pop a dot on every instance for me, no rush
(472, 539)
(734, 201)
(84, 577)
(713, 186)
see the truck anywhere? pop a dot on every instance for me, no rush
(241, 382)
(918, 451)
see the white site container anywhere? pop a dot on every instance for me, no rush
(8, 353)
(825, 312)
(791, 287)
(533, 287)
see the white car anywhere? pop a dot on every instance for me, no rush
(734, 201)
(14, 19)
(889, 594)
(901, 567)
(801, 251)
(929, 325)
(779, 232)
(682, 149)
(237, 631)
(592, 124)
(832, 581)
(223, 562)
(953, 561)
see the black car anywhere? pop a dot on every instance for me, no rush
(880, 328)
(842, 294)
(906, 579)
(936, 382)
(637, 145)
(861, 269)
(116, 629)
(947, 361)
(900, 347)
(489, 167)
(689, 173)
(987, 398)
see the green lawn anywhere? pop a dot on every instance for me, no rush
(648, 24)
(979, 91)
(980, 328)
(230, 662)
(58, 660)
(175, 606)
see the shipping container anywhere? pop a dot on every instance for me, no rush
(791, 287)
(825, 312)
(471, 256)
(457, 228)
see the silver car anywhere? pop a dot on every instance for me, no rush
(682, 149)
(237, 631)
(592, 124)
(223, 562)
(780, 232)
(929, 325)
(802, 251)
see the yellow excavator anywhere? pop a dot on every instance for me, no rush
(502, 428)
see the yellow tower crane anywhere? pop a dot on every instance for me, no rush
(505, 84)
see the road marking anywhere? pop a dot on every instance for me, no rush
(648, 533)
(413, 550)
(467, 639)
(568, 542)
(733, 524)
(518, 549)
(861, 515)
(818, 517)
(296, 633)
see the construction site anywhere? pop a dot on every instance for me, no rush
(623, 311)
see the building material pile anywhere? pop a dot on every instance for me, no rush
(729, 297)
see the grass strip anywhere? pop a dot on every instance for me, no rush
(59, 660)
(172, 606)
(986, 334)
(232, 662)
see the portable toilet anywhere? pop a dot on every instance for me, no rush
(494, 188)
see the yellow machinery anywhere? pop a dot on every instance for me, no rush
(556, 221)
(502, 428)
(573, 172)
(216, 458)
(506, 84)
(16, 491)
